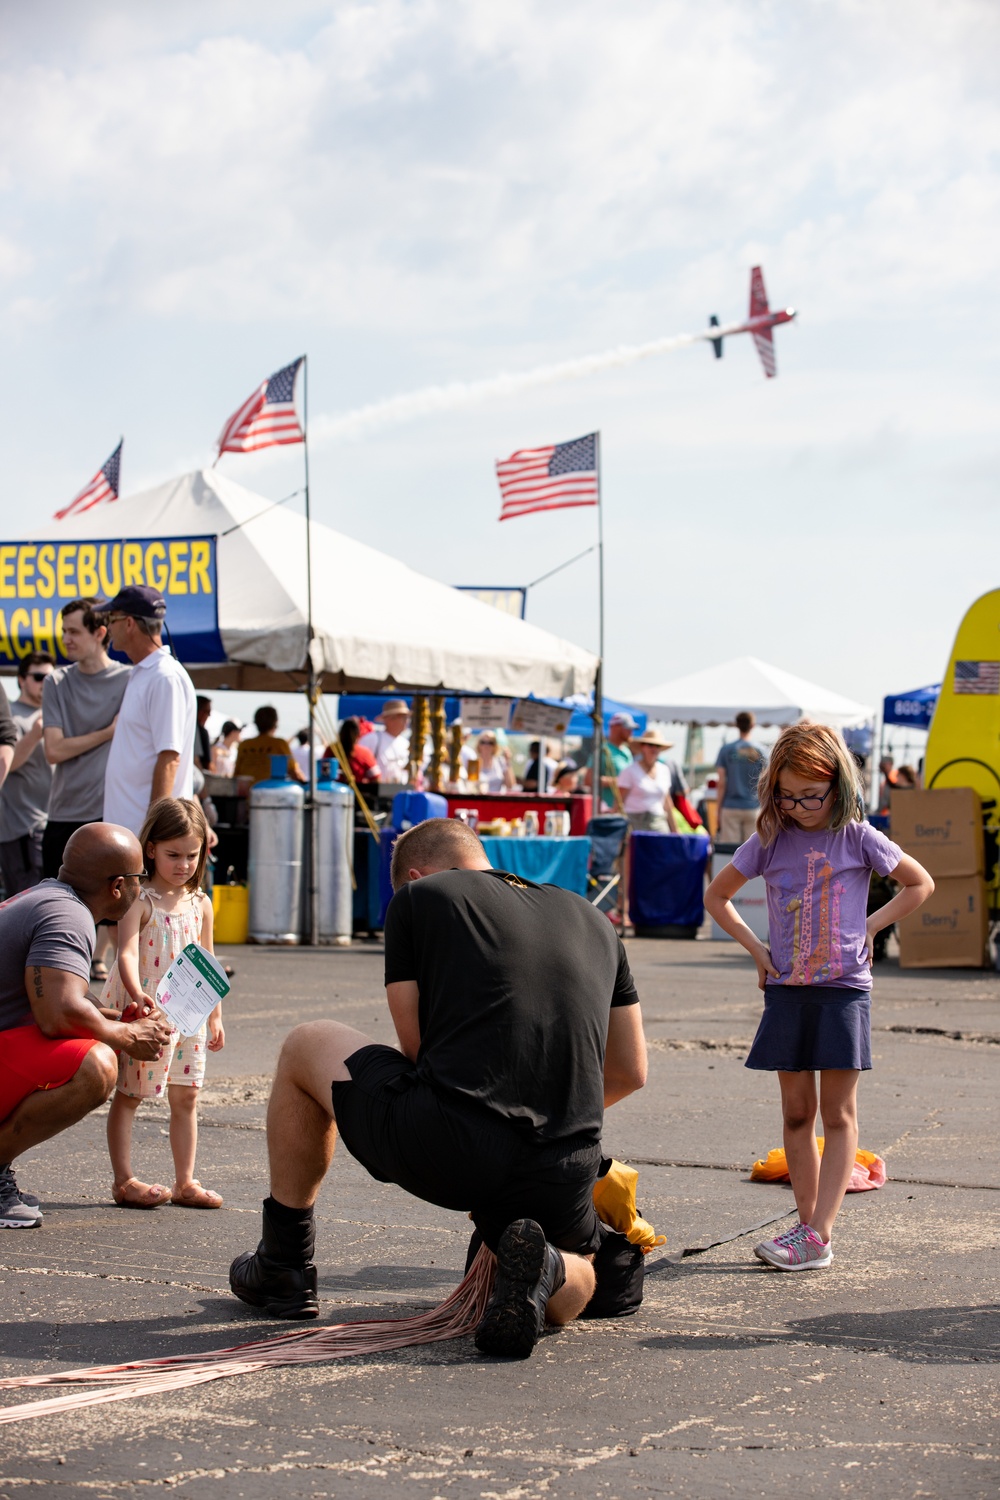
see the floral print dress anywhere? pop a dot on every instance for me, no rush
(183, 1059)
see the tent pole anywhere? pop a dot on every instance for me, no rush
(598, 802)
(312, 806)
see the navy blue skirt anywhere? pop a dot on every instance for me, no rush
(806, 1027)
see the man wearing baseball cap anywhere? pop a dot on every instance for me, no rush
(617, 755)
(152, 751)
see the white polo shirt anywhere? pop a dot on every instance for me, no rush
(158, 713)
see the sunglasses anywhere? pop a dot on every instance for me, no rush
(38, 676)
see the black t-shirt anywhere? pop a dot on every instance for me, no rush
(516, 984)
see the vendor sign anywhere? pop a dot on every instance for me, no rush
(38, 578)
(486, 713)
(530, 717)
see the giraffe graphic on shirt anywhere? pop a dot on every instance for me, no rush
(824, 961)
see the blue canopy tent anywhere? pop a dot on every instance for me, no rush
(367, 706)
(914, 709)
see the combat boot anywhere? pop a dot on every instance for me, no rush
(279, 1275)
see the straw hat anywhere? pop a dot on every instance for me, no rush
(652, 738)
(394, 706)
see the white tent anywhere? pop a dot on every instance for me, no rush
(718, 694)
(377, 623)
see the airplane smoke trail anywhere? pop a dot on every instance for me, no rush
(441, 398)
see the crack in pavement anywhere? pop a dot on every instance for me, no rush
(940, 1033)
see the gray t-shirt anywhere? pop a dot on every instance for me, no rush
(80, 703)
(24, 800)
(48, 926)
(742, 762)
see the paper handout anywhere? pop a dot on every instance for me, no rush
(191, 988)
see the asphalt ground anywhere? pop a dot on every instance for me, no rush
(877, 1377)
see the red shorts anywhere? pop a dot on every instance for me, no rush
(29, 1060)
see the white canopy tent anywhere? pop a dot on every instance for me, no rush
(717, 694)
(377, 623)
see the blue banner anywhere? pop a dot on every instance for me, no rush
(915, 708)
(38, 578)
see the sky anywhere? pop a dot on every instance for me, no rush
(429, 193)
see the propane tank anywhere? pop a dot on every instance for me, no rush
(277, 822)
(335, 819)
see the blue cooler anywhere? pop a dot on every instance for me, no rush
(416, 807)
(387, 839)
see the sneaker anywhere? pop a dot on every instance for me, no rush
(529, 1271)
(16, 1212)
(7, 1184)
(798, 1249)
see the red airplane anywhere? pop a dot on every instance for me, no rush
(759, 324)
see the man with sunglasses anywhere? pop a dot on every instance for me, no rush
(152, 751)
(24, 806)
(57, 1049)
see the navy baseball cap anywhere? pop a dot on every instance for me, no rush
(138, 600)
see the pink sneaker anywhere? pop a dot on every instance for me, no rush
(798, 1249)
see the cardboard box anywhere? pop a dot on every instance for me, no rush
(949, 931)
(942, 829)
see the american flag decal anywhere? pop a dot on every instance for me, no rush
(979, 677)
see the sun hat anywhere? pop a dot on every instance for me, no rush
(394, 706)
(652, 738)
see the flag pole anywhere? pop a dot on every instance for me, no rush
(312, 806)
(598, 801)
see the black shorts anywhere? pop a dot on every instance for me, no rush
(457, 1156)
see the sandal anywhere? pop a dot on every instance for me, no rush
(195, 1196)
(98, 974)
(150, 1195)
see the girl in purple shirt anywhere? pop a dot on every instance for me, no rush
(816, 854)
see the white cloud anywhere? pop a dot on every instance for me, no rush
(421, 193)
(426, 165)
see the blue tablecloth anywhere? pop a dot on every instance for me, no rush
(667, 879)
(546, 861)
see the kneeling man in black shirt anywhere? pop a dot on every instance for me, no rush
(518, 1023)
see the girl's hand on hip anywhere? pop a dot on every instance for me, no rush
(765, 968)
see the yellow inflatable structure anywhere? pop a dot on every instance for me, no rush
(963, 745)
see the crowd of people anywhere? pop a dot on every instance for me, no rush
(492, 1106)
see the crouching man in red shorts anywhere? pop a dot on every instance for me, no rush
(518, 1023)
(57, 1050)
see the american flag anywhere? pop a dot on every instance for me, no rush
(268, 418)
(550, 478)
(103, 486)
(980, 677)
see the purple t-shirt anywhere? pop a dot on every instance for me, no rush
(817, 898)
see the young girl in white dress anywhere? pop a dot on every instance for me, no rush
(172, 911)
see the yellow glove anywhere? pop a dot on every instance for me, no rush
(614, 1199)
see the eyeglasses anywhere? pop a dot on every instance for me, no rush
(808, 804)
(127, 875)
(113, 619)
